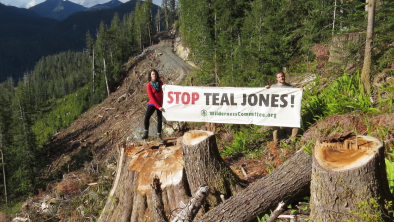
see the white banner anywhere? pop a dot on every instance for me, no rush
(260, 106)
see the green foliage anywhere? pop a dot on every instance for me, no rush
(343, 95)
(304, 207)
(13, 208)
(263, 218)
(60, 113)
(368, 211)
(246, 140)
(390, 174)
(386, 102)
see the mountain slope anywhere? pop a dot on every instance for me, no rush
(110, 4)
(17, 44)
(119, 118)
(57, 9)
(19, 56)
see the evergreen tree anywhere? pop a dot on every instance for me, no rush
(24, 151)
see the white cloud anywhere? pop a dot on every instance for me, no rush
(86, 3)
(31, 4)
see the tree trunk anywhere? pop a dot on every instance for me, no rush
(94, 74)
(366, 72)
(345, 174)
(131, 197)
(286, 183)
(205, 166)
(105, 75)
(5, 184)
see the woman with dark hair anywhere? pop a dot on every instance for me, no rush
(155, 93)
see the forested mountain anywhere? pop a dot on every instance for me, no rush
(110, 4)
(242, 43)
(18, 56)
(60, 88)
(57, 9)
(18, 47)
(7, 10)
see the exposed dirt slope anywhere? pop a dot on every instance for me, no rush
(119, 119)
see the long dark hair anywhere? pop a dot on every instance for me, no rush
(157, 75)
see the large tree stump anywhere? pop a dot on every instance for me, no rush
(131, 197)
(345, 174)
(286, 183)
(205, 166)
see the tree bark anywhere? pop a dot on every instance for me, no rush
(131, 196)
(204, 166)
(158, 206)
(286, 183)
(366, 72)
(105, 75)
(345, 174)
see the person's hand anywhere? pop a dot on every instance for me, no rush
(267, 86)
(302, 89)
(162, 109)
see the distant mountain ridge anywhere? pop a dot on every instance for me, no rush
(57, 9)
(110, 4)
(18, 28)
(26, 41)
(6, 10)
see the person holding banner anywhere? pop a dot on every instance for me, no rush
(155, 103)
(280, 77)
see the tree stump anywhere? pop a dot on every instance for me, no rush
(345, 174)
(178, 177)
(205, 166)
(131, 197)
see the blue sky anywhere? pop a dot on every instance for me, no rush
(86, 3)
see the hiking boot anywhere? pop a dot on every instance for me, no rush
(145, 136)
(159, 139)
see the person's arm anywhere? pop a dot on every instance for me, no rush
(152, 98)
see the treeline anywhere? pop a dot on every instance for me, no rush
(58, 90)
(244, 42)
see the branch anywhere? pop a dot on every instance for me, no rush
(190, 210)
(276, 212)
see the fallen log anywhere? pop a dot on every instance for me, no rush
(344, 175)
(205, 166)
(288, 182)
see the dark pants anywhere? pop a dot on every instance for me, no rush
(149, 113)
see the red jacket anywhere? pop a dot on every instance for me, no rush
(155, 98)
